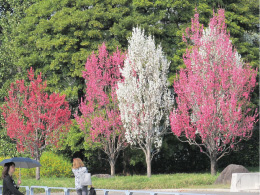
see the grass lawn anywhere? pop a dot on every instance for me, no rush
(137, 182)
(179, 180)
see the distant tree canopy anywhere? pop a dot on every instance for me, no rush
(55, 37)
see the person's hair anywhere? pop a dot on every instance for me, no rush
(77, 163)
(6, 169)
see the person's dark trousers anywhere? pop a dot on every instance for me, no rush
(83, 191)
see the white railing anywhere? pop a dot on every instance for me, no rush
(30, 191)
(131, 192)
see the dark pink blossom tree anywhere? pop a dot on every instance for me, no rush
(100, 118)
(213, 91)
(33, 118)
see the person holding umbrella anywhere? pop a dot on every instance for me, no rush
(9, 186)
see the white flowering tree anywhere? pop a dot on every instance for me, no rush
(144, 98)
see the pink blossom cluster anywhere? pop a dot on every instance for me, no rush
(99, 108)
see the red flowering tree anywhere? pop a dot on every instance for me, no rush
(213, 91)
(100, 118)
(33, 118)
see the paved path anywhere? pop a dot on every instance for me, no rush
(184, 191)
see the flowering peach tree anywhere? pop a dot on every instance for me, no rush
(33, 118)
(213, 91)
(100, 116)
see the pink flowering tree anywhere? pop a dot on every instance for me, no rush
(213, 91)
(33, 118)
(100, 116)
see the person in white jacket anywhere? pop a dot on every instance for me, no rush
(78, 170)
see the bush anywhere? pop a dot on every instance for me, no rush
(53, 165)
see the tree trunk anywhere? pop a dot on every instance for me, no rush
(112, 167)
(213, 165)
(37, 173)
(148, 162)
(38, 168)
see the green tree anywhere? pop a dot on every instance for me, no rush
(75, 145)
(56, 36)
(11, 13)
(7, 146)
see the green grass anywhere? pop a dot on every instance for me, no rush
(179, 180)
(138, 182)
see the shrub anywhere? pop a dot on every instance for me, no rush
(55, 165)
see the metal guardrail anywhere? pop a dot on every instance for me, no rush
(48, 189)
(30, 191)
(39, 187)
(27, 188)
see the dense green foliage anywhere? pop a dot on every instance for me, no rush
(55, 37)
(174, 157)
(11, 13)
(7, 146)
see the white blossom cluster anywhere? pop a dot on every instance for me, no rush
(210, 37)
(144, 98)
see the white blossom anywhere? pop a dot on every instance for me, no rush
(144, 98)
